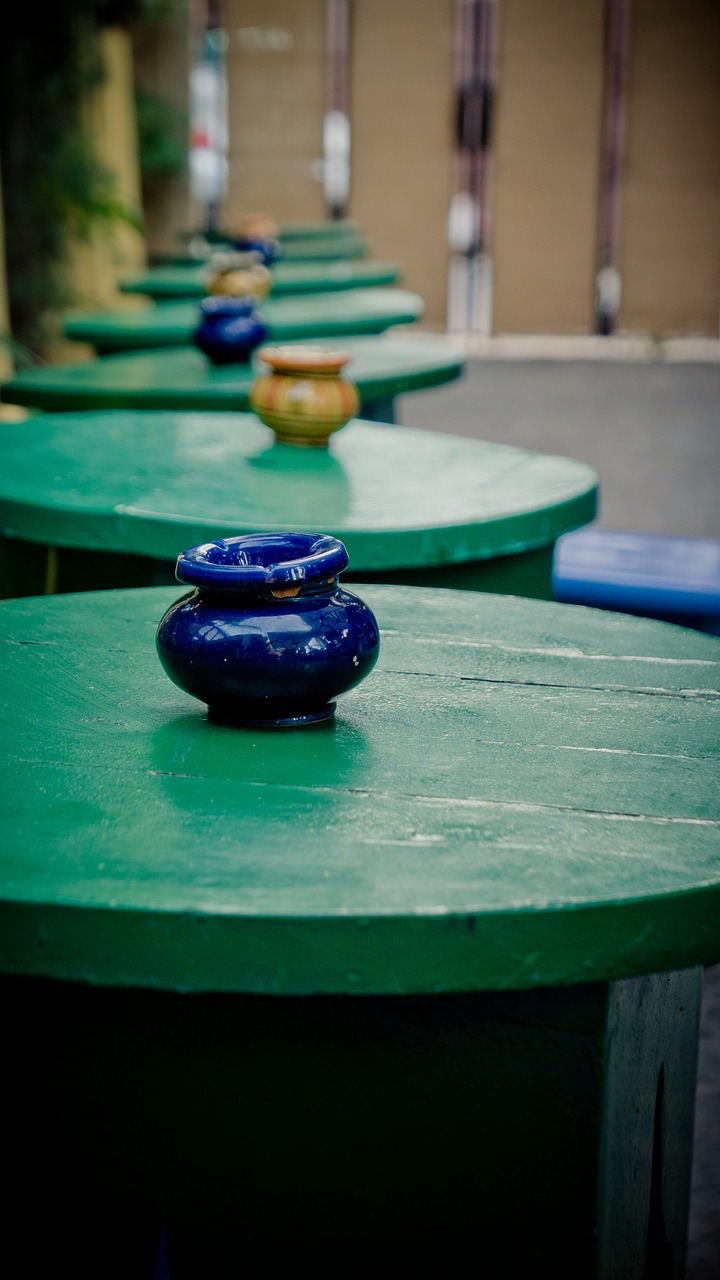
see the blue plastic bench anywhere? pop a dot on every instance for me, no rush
(651, 574)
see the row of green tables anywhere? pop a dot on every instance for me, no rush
(313, 245)
(426, 976)
(182, 378)
(190, 281)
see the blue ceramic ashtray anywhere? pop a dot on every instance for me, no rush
(230, 329)
(267, 250)
(268, 637)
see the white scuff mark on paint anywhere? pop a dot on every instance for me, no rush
(557, 651)
(608, 751)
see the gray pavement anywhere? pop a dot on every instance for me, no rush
(652, 431)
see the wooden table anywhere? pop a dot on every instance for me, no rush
(425, 977)
(111, 498)
(382, 367)
(172, 324)
(312, 248)
(302, 229)
(288, 278)
(318, 229)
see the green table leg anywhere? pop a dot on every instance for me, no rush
(31, 569)
(379, 410)
(544, 1133)
(528, 574)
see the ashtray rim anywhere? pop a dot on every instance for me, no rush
(288, 559)
(228, 304)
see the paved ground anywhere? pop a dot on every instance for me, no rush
(652, 431)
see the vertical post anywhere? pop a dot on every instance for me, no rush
(608, 285)
(208, 156)
(469, 293)
(336, 126)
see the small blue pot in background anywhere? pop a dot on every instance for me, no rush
(268, 637)
(268, 251)
(230, 329)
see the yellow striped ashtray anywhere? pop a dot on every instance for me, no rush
(238, 282)
(304, 397)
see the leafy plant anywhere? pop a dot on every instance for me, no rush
(162, 131)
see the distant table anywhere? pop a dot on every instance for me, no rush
(288, 278)
(378, 979)
(171, 324)
(313, 248)
(302, 229)
(382, 367)
(111, 498)
(318, 229)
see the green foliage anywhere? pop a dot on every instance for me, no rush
(22, 356)
(81, 193)
(53, 185)
(162, 132)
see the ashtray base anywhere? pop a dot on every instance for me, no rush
(249, 719)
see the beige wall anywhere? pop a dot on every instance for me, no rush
(546, 165)
(276, 103)
(115, 138)
(670, 223)
(5, 361)
(402, 107)
(110, 122)
(547, 143)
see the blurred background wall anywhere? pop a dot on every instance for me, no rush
(670, 230)
(401, 105)
(164, 49)
(596, 126)
(534, 165)
(276, 105)
(547, 160)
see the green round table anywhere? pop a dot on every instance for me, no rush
(311, 249)
(326, 315)
(288, 278)
(382, 367)
(318, 229)
(424, 977)
(303, 229)
(111, 498)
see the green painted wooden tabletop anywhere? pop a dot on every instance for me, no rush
(171, 324)
(313, 248)
(301, 229)
(319, 228)
(153, 483)
(183, 378)
(288, 278)
(323, 248)
(521, 794)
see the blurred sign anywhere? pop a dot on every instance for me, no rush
(265, 39)
(208, 123)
